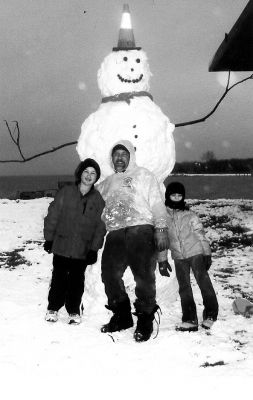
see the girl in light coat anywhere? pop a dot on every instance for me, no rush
(190, 250)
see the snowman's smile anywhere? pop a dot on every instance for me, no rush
(130, 80)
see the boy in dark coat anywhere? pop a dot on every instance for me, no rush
(74, 232)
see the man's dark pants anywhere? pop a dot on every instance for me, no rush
(134, 247)
(67, 284)
(197, 264)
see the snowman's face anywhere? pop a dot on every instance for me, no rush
(124, 71)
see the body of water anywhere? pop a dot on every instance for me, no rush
(11, 186)
(197, 186)
(215, 186)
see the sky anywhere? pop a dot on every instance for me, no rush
(51, 50)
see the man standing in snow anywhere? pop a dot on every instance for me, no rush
(135, 217)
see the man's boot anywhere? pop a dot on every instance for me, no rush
(144, 327)
(121, 319)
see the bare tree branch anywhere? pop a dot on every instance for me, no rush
(11, 134)
(51, 151)
(23, 159)
(227, 85)
(17, 143)
(196, 121)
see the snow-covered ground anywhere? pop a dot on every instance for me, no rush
(39, 360)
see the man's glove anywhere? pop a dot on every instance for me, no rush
(48, 246)
(208, 262)
(164, 268)
(91, 257)
(161, 239)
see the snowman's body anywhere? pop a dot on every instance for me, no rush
(139, 119)
(142, 122)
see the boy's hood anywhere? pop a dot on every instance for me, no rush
(129, 146)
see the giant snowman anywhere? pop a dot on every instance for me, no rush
(127, 111)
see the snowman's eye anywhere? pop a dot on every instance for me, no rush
(138, 60)
(125, 58)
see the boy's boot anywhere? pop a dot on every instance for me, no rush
(51, 316)
(74, 319)
(187, 326)
(209, 318)
(144, 327)
(121, 319)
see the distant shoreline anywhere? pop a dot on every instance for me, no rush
(198, 186)
(184, 174)
(11, 185)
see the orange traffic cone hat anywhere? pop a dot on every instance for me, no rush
(126, 36)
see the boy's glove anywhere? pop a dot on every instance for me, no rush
(91, 257)
(164, 268)
(48, 246)
(161, 239)
(208, 262)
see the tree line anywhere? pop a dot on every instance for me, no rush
(214, 166)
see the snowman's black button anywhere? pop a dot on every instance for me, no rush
(135, 136)
(134, 126)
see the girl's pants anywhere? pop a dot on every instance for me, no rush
(182, 267)
(134, 247)
(67, 284)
